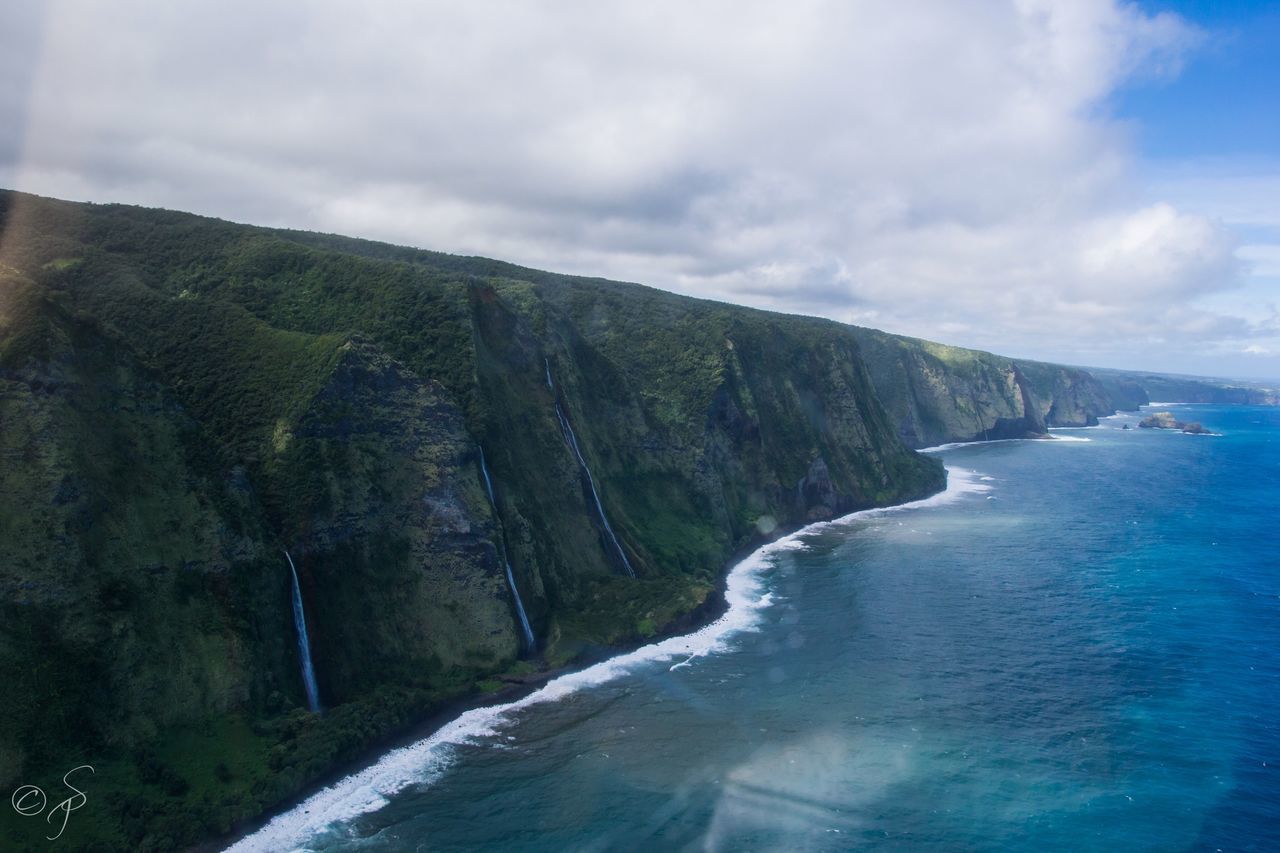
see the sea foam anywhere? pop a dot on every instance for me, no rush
(422, 762)
(953, 445)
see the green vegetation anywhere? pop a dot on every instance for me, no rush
(189, 398)
(183, 399)
(936, 394)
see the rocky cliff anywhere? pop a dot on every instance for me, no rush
(184, 399)
(936, 394)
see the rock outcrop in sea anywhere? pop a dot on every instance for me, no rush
(1166, 420)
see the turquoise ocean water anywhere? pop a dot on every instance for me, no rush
(1076, 648)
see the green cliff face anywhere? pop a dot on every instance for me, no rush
(1067, 396)
(183, 399)
(936, 394)
(382, 508)
(127, 560)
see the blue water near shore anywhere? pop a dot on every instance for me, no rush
(1085, 656)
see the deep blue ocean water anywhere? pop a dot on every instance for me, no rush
(1084, 657)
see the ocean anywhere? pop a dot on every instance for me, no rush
(1076, 647)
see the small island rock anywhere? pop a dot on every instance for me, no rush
(1166, 420)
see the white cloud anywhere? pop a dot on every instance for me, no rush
(1155, 251)
(1262, 259)
(936, 168)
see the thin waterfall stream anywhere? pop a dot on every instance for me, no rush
(304, 644)
(567, 430)
(531, 645)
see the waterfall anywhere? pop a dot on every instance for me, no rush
(547, 363)
(572, 439)
(529, 642)
(304, 645)
(488, 484)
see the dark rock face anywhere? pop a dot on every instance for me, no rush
(816, 496)
(396, 517)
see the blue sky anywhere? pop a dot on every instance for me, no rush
(1085, 181)
(1225, 102)
(1209, 136)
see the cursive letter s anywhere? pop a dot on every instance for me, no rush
(70, 804)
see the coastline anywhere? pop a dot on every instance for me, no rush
(413, 758)
(952, 445)
(515, 689)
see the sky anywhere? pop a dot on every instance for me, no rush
(1087, 181)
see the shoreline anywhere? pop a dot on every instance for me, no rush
(954, 445)
(516, 688)
(411, 754)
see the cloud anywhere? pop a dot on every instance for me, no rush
(935, 168)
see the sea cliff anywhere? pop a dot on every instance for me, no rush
(936, 394)
(184, 399)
